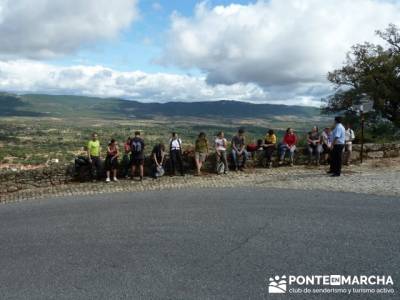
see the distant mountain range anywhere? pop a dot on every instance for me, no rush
(35, 105)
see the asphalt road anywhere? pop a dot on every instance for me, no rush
(193, 244)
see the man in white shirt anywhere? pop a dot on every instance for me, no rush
(175, 153)
(338, 141)
(348, 148)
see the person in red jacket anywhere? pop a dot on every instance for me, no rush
(289, 143)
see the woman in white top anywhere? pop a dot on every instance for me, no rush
(220, 149)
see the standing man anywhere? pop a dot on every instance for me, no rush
(93, 151)
(348, 148)
(338, 141)
(238, 149)
(175, 153)
(137, 154)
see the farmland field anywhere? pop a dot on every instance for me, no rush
(34, 141)
(36, 129)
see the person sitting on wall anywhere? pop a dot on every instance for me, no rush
(288, 143)
(111, 162)
(126, 162)
(220, 150)
(201, 151)
(81, 163)
(314, 146)
(326, 140)
(239, 150)
(269, 147)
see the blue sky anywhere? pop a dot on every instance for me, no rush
(269, 51)
(137, 47)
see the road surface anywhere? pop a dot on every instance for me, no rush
(193, 244)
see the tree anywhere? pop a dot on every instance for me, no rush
(371, 70)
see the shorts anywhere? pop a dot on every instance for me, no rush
(348, 147)
(111, 164)
(137, 161)
(200, 156)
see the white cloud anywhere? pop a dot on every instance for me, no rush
(48, 28)
(287, 47)
(37, 77)
(157, 6)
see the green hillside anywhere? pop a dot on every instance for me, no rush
(36, 128)
(78, 106)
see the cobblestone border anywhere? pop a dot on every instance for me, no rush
(358, 179)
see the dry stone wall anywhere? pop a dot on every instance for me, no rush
(58, 174)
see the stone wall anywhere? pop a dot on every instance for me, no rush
(27, 179)
(59, 174)
(372, 151)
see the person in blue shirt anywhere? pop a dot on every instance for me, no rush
(338, 142)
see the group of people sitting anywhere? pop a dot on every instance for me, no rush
(133, 156)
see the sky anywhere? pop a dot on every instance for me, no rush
(261, 51)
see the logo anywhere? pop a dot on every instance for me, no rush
(333, 284)
(335, 280)
(277, 285)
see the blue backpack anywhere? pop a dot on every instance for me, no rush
(136, 146)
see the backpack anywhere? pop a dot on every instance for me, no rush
(81, 161)
(220, 167)
(136, 146)
(159, 172)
